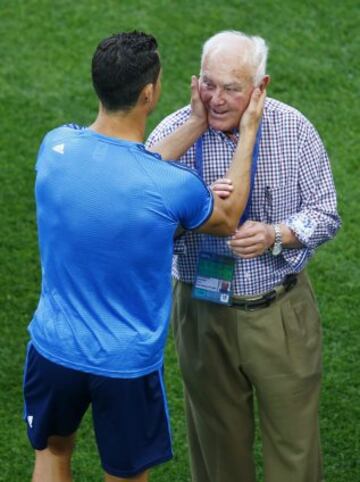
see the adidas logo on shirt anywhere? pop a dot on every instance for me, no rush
(30, 419)
(59, 148)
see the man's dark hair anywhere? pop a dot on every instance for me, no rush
(121, 67)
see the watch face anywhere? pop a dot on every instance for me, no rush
(276, 249)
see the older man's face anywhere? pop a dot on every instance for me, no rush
(225, 89)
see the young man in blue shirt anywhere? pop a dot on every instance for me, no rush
(107, 213)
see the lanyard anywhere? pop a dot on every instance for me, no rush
(199, 168)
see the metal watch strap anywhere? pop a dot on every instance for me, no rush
(277, 247)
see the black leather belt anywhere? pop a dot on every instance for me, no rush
(252, 303)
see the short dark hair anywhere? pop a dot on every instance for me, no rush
(121, 67)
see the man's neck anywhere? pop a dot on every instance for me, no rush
(129, 126)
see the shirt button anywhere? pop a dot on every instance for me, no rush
(247, 275)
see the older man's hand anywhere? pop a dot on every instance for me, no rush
(198, 111)
(223, 187)
(252, 239)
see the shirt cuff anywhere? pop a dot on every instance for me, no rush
(303, 226)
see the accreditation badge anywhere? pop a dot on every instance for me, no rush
(214, 278)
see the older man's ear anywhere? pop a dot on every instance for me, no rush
(265, 82)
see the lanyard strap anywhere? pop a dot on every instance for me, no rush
(199, 157)
(199, 168)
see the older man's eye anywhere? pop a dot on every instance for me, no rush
(205, 81)
(232, 89)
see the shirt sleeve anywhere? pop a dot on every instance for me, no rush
(191, 202)
(56, 133)
(40, 151)
(166, 127)
(317, 220)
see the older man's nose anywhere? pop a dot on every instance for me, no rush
(218, 97)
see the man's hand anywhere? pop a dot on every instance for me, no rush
(198, 111)
(252, 239)
(223, 187)
(178, 142)
(253, 112)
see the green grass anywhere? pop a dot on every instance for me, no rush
(46, 48)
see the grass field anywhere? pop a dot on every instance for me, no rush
(46, 48)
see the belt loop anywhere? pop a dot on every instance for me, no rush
(290, 281)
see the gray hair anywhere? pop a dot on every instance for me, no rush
(253, 50)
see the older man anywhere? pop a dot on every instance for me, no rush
(264, 339)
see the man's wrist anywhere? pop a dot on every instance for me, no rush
(197, 124)
(278, 243)
(270, 235)
(248, 128)
(248, 136)
(284, 239)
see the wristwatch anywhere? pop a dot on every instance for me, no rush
(277, 246)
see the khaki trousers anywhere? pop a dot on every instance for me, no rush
(228, 356)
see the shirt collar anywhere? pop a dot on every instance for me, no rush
(234, 137)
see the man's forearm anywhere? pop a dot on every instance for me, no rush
(176, 144)
(289, 240)
(239, 173)
(227, 212)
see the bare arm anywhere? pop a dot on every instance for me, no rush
(227, 212)
(176, 144)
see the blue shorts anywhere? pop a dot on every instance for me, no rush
(130, 415)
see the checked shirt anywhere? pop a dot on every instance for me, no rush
(293, 185)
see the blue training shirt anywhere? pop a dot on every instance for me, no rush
(107, 211)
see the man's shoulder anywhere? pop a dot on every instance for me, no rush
(63, 132)
(279, 116)
(57, 137)
(171, 173)
(276, 108)
(168, 169)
